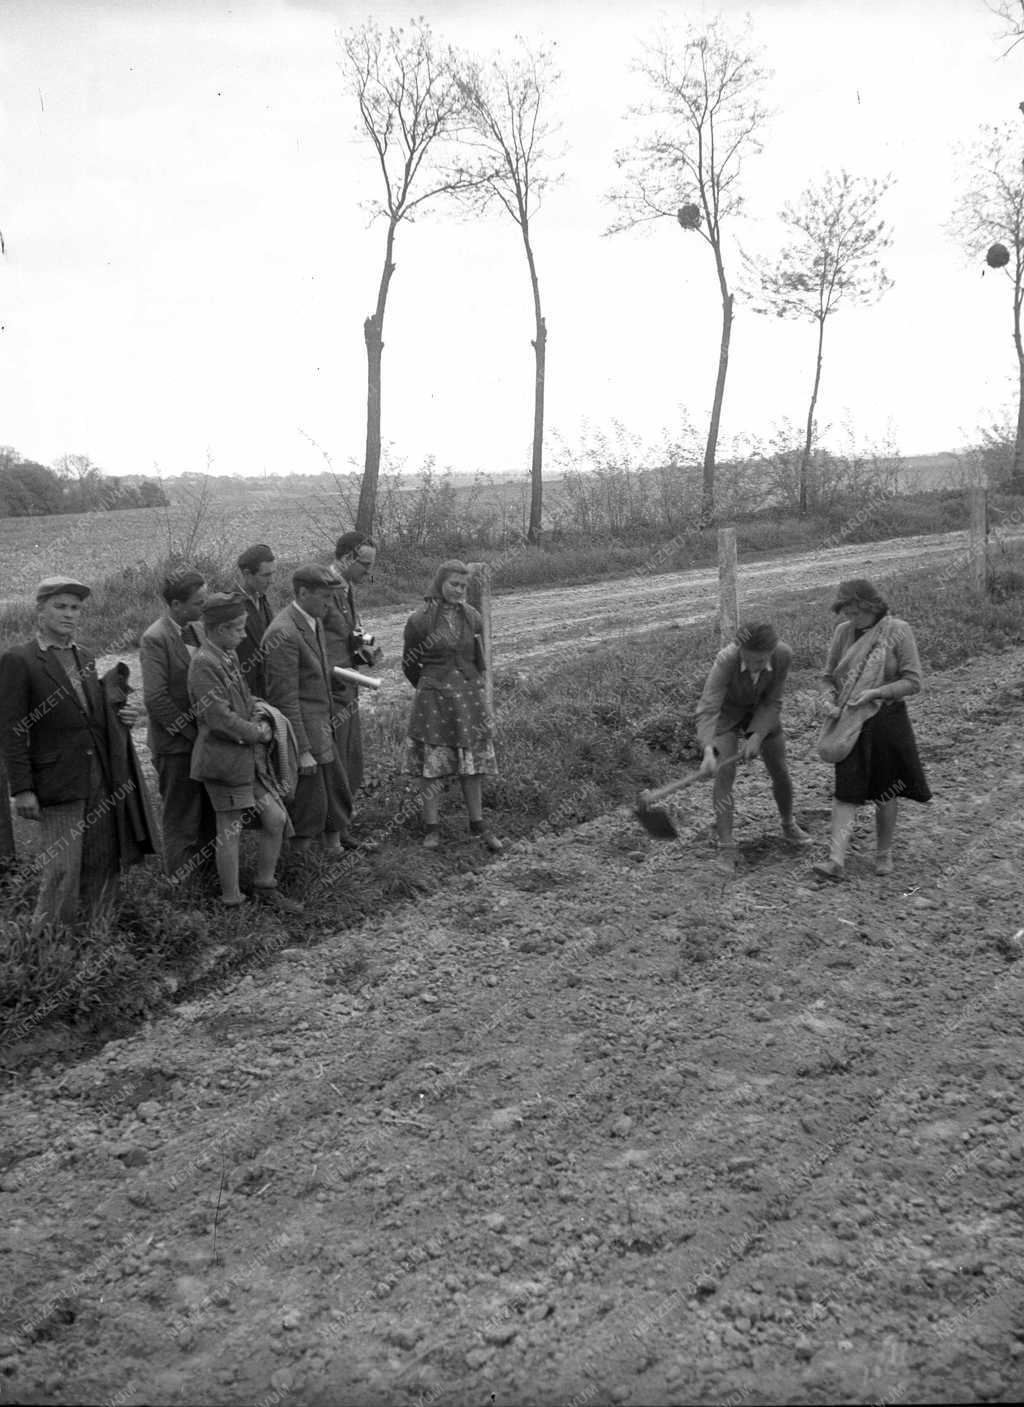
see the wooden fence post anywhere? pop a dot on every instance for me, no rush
(479, 595)
(728, 596)
(978, 540)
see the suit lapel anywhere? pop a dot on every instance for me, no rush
(53, 667)
(177, 642)
(313, 641)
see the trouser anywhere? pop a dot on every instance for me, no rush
(339, 796)
(6, 824)
(316, 806)
(773, 754)
(79, 857)
(348, 739)
(188, 821)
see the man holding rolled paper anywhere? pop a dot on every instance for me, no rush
(350, 648)
(298, 682)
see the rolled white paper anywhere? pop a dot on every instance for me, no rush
(352, 676)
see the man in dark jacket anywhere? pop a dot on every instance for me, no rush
(738, 717)
(256, 568)
(56, 733)
(354, 558)
(298, 683)
(165, 652)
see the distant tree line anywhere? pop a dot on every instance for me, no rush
(73, 485)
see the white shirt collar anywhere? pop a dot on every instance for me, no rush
(765, 668)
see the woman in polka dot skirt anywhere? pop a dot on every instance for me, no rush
(450, 730)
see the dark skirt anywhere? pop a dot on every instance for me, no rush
(884, 764)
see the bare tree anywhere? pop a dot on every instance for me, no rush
(1011, 14)
(831, 258)
(410, 107)
(506, 101)
(704, 118)
(989, 216)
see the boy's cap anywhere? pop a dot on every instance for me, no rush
(55, 585)
(223, 606)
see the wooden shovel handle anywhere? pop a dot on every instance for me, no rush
(652, 798)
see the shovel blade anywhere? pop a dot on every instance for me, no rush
(657, 822)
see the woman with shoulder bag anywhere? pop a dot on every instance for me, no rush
(872, 668)
(450, 729)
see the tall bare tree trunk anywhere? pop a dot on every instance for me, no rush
(540, 346)
(805, 458)
(707, 502)
(373, 335)
(1017, 480)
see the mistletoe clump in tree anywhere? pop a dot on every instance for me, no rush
(988, 221)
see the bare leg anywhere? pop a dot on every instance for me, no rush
(472, 790)
(844, 818)
(229, 835)
(885, 831)
(430, 795)
(272, 823)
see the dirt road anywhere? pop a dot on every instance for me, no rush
(533, 628)
(590, 1126)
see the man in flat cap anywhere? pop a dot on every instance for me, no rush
(229, 755)
(165, 653)
(256, 567)
(298, 682)
(70, 760)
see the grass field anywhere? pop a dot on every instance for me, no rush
(92, 546)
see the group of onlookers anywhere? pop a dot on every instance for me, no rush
(252, 721)
(251, 724)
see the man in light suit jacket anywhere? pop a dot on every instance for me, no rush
(165, 652)
(298, 682)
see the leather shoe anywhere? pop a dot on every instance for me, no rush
(274, 899)
(350, 842)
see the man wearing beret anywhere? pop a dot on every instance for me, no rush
(298, 682)
(59, 739)
(165, 653)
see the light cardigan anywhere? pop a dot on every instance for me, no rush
(902, 674)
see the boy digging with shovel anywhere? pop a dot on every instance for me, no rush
(739, 716)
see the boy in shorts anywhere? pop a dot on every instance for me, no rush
(224, 757)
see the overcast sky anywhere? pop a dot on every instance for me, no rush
(188, 266)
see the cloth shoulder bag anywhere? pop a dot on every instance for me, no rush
(838, 736)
